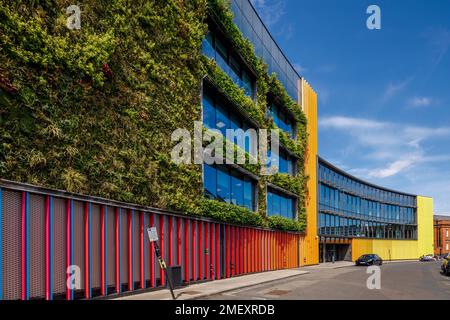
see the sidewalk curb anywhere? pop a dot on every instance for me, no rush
(247, 286)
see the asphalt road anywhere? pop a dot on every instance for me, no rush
(400, 281)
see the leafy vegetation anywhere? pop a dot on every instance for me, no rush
(92, 110)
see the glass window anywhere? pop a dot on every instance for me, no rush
(281, 119)
(215, 48)
(223, 186)
(217, 116)
(209, 113)
(237, 191)
(248, 194)
(208, 46)
(222, 120)
(282, 205)
(210, 181)
(229, 185)
(286, 163)
(247, 84)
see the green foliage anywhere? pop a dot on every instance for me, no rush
(92, 110)
(278, 93)
(73, 127)
(220, 79)
(232, 214)
(285, 224)
(287, 182)
(269, 87)
(220, 9)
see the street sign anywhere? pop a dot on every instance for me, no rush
(152, 234)
(153, 237)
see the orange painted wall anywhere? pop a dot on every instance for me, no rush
(310, 250)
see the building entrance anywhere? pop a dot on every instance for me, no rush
(335, 252)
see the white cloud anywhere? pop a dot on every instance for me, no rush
(393, 168)
(270, 11)
(439, 41)
(299, 68)
(388, 148)
(350, 123)
(393, 89)
(420, 101)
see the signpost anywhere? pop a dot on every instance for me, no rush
(153, 237)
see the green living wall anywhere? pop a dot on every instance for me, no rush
(92, 110)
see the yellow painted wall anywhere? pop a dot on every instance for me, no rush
(387, 249)
(425, 231)
(402, 249)
(310, 246)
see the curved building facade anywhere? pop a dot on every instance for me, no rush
(346, 216)
(355, 216)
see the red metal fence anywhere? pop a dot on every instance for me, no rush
(43, 232)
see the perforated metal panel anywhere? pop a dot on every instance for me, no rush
(11, 246)
(137, 246)
(11, 220)
(191, 261)
(147, 252)
(37, 245)
(96, 234)
(78, 239)
(111, 246)
(124, 244)
(59, 246)
(157, 269)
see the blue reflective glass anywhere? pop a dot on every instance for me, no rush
(283, 207)
(270, 203)
(290, 209)
(222, 120)
(247, 84)
(223, 186)
(210, 181)
(276, 204)
(209, 113)
(237, 188)
(283, 165)
(208, 47)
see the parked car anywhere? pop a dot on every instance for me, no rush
(427, 258)
(369, 260)
(445, 267)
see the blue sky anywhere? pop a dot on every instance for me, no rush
(384, 95)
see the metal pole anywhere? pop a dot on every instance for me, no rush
(164, 268)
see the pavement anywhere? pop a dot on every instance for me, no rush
(206, 289)
(400, 280)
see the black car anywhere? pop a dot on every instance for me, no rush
(446, 266)
(369, 260)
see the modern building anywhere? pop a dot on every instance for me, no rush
(44, 231)
(346, 216)
(441, 234)
(357, 217)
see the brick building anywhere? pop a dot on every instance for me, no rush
(441, 234)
